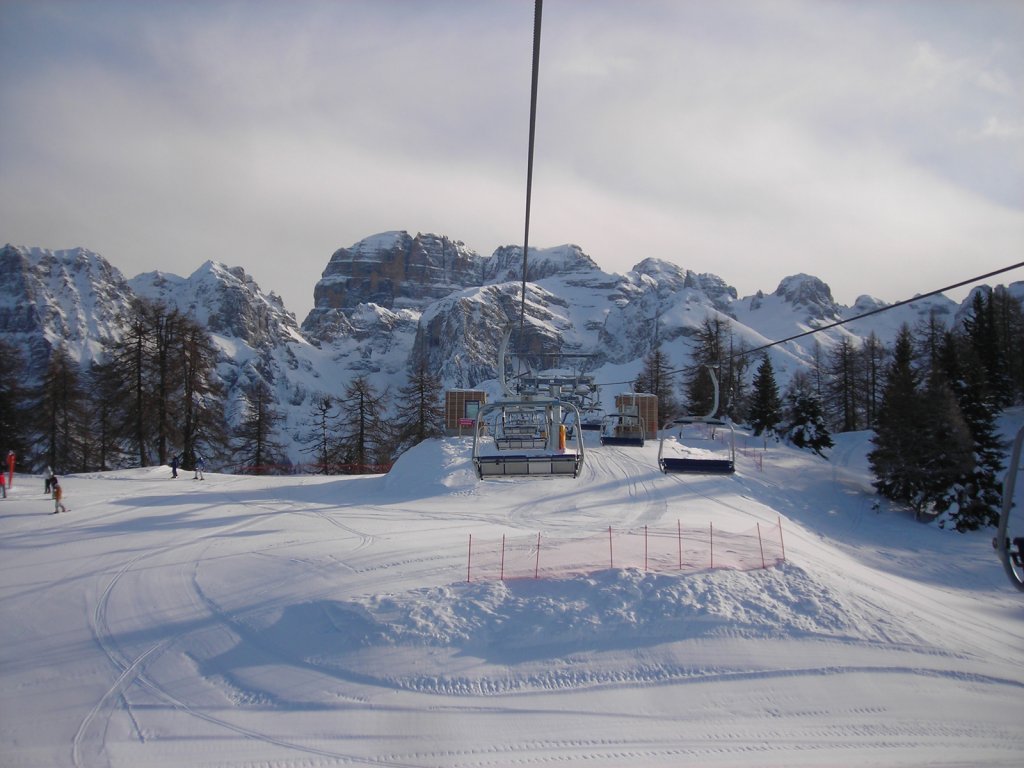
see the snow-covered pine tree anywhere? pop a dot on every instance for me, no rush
(805, 425)
(975, 499)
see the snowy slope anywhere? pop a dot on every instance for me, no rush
(317, 621)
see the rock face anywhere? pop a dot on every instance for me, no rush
(396, 271)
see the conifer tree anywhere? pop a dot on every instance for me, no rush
(320, 440)
(710, 350)
(14, 400)
(130, 357)
(107, 446)
(364, 434)
(982, 333)
(945, 451)
(1008, 320)
(60, 411)
(420, 410)
(257, 447)
(898, 457)
(805, 416)
(873, 356)
(201, 415)
(974, 499)
(842, 387)
(766, 405)
(656, 379)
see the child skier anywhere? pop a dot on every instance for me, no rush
(58, 494)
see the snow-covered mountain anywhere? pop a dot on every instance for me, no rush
(393, 296)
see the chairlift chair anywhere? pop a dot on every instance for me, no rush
(623, 429)
(528, 439)
(692, 461)
(1010, 544)
(697, 462)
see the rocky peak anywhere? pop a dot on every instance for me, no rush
(809, 294)
(226, 299)
(506, 263)
(71, 298)
(396, 271)
(664, 273)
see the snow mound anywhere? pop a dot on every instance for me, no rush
(433, 467)
(480, 638)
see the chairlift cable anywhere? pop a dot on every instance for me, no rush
(538, 7)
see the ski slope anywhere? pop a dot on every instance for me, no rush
(320, 621)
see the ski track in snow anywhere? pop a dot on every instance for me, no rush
(327, 621)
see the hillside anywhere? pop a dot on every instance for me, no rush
(319, 621)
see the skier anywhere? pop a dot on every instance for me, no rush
(3, 485)
(200, 465)
(174, 466)
(58, 494)
(48, 480)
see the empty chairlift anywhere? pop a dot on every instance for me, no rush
(694, 444)
(627, 426)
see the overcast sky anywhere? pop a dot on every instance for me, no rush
(876, 144)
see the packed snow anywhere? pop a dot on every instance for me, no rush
(316, 621)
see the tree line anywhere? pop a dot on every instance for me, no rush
(155, 394)
(932, 398)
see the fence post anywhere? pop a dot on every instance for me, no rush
(502, 557)
(645, 548)
(761, 545)
(711, 539)
(783, 543)
(536, 565)
(469, 559)
(679, 539)
(611, 558)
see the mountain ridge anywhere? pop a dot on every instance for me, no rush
(393, 296)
